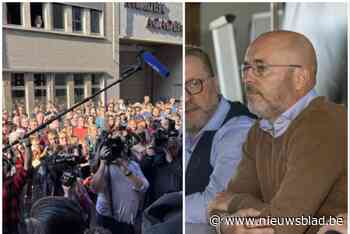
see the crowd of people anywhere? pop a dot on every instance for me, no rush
(107, 163)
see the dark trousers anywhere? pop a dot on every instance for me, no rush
(114, 226)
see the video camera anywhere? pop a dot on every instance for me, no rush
(162, 136)
(61, 158)
(54, 159)
(56, 164)
(116, 145)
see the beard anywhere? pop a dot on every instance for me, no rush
(262, 106)
(254, 106)
(197, 117)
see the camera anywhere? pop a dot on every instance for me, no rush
(116, 145)
(57, 163)
(67, 159)
(132, 139)
(160, 139)
(58, 159)
(162, 136)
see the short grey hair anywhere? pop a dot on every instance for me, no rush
(202, 55)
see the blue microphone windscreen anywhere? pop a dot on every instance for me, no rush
(155, 64)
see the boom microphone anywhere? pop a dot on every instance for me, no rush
(155, 64)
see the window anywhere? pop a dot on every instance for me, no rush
(95, 21)
(17, 86)
(36, 15)
(60, 80)
(39, 80)
(17, 80)
(78, 87)
(39, 89)
(61, 91)
(95, 80)
(96, 86)
(13, 13)
(58, 16)
(77, 19)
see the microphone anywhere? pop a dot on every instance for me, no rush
(155, 64)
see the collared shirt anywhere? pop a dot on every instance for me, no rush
(225, 155)
(126, 198)
(282, 122)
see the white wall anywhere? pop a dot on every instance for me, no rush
(325, 24)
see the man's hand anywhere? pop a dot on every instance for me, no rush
(243, 229)
(339, 228)
(66, 190)
(104, 152)
(219, 203)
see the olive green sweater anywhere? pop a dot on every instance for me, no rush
(302, 172)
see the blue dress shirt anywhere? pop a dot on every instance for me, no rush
(282, 122)
(225, 155)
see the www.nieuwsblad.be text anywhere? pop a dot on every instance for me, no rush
(274, 221)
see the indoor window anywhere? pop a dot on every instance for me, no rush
(78, 87)
(61, 91)
(18, 90)
(77, 19)
(39, 89)
(13, 13)
(58, 16)
(95, 21)
(36, 15)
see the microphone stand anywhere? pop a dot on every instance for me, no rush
(125, 74)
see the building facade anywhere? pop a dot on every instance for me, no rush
(59, 52)
(154, 27)
(64, 52)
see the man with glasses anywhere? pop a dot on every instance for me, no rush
(295, 158)
(215, 132)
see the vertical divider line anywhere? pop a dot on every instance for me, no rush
(183, 118)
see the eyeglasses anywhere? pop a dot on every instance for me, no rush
(261, 69)
(194, 86)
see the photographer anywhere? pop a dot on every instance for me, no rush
(121, 186)
(162, 163)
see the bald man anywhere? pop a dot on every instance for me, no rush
(295, 158)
